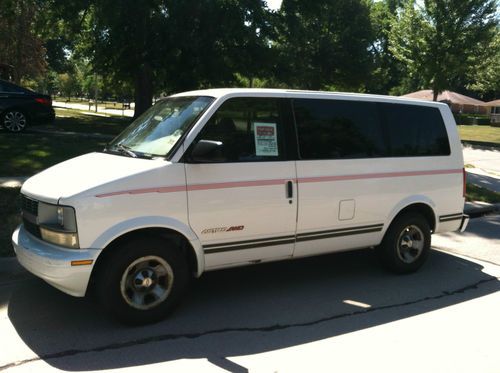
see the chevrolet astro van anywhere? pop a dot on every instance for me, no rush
(218, 178)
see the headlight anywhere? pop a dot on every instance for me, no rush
(58, 225)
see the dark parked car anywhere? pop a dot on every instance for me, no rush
(20, 107)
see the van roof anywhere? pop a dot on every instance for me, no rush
(269, 92)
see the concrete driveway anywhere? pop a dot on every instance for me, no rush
(333, 313)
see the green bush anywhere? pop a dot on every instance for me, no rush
(472, 119)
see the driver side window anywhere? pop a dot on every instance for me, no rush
(248, 130)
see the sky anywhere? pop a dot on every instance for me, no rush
(274, 4)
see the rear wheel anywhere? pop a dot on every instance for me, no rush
(406, 244)
(142, 281)
(14, 121)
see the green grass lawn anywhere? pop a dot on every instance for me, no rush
(480, 133)
(24, 154)
(28, 153)
(9, 218)
(75, 121)
(476, 193)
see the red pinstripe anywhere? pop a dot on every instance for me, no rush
(254, 183)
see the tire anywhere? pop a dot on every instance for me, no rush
(14, 121)
(143, 280)
(406, 244)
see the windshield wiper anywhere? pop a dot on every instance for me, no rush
(125, 149)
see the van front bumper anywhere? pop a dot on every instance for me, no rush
(53, 263)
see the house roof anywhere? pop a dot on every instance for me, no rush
(493, 103)
(445, 96)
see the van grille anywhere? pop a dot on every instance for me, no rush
(29, 205)
(29, 208)
(32, 228)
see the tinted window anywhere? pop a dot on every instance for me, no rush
(250, 129)
(414, 130)
(335, 129)
(330, 129)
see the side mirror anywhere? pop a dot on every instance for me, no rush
(206, 151)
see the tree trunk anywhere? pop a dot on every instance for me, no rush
(435, 94)
(143, 95)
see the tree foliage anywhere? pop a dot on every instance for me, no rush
(20, 46)
(323, 43)
(441, 41)
(135, 50)
(485, 77)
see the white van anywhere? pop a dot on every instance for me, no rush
(227, 177)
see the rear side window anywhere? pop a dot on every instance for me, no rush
(414, 130)
(340, 129)
(329, 129)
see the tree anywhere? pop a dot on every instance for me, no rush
(442, 41)
(20, 46)
(485, 78)
(386, 71)
(324, 43)
(168, 45)
(68, 84)
(214, 42)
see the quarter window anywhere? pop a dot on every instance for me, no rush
(414, 130)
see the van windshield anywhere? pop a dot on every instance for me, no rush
(158, 129)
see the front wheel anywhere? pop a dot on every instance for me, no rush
(406, 244)
(142, 281)
(14, 121)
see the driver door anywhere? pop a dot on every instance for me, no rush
(242, 197)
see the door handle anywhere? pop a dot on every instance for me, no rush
(289, 189)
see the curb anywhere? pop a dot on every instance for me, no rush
(477, 209)
(481, 145)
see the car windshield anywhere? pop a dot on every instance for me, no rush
(158, 129)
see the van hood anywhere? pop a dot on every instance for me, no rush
(86, 173)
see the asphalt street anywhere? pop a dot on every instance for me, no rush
(338, 312)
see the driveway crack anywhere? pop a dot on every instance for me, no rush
(270, 328)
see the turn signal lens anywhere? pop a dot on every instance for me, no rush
(69, 240)
(81, 262)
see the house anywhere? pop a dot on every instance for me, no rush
(459, 104)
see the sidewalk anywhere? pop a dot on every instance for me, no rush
(85, 107)
(12, 181)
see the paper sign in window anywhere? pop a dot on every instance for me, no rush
(266, 140)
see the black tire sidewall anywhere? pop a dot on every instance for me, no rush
(388, 250)
(108, 285)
